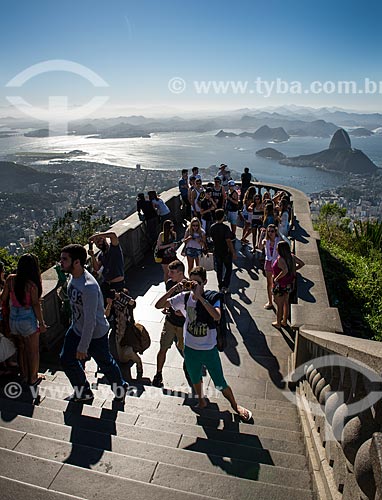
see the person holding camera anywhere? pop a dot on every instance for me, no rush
(110, 259)
(173, 323)
(200, 335)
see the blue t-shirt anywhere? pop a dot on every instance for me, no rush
(183, 187)
(113, 263)
(88, 317)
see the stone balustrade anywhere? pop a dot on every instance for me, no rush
(340, 389)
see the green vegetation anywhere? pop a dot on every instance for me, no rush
(68, 229)
(352, 265)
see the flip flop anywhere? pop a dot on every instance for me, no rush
(247, 415)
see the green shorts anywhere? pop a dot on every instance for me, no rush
(195, 360)
(169, 333)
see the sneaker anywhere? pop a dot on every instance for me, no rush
(121, 393)
(157, 380)
(85, 397)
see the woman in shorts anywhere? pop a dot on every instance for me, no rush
(284, 275)
(269, 244)
(195, 243)
(23, 290)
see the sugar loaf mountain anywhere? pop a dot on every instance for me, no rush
(340, 157)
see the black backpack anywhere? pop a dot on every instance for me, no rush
(221, 326)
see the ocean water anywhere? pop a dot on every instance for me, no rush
(173, 151)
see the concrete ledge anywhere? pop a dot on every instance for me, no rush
(315, 317)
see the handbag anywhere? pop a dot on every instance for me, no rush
(207, 262)
(158, 254)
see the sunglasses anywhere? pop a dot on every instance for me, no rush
(194, 225)
(271, 231)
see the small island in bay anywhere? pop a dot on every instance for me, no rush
(271, 154)
(266, 133)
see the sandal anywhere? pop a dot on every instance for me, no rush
(268, 306)
(246, 415)
(276, 325)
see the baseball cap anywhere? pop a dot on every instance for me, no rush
(231, 183)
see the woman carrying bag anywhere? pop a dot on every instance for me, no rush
(165, 250)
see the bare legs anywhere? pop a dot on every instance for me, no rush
(269, 290)
(28, 356)
(282, 303)
(190, 263)
(245, 414)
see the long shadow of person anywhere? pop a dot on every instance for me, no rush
(255, 341)
(238, 453)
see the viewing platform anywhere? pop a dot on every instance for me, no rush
(312, 436)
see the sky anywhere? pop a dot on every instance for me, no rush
(173, 56)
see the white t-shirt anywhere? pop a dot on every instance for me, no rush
(196, 336)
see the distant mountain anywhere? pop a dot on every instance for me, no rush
(263, 133)
(361, 132)
(338, 157)
(41, 132)
(277, 134)
(16, 178)
(224, 134)
(271, 154)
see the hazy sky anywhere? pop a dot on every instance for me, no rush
(138, 47)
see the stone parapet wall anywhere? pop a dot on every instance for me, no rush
(340, 388)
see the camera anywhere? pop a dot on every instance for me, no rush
(188, 285)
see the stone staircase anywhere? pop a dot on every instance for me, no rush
(154, 445)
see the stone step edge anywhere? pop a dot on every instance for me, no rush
(170, 397)
(297, 434)
(95, 433)
(225, 406)
(212, 475)
(104, 474)
(65, 496)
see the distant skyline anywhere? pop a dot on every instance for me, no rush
(171, 57)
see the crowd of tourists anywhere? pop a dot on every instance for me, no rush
(212, 213)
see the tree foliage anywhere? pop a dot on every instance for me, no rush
(65, 230)
(352, 265)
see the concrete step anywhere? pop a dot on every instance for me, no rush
(14, 490)
(201, 483)
(126, 465)
(130, 425)
(78, 432)
(265, 417)
(83, 483)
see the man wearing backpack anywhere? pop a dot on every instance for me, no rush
(224, 251)
(201, 309)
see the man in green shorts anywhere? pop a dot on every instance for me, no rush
(200, 336)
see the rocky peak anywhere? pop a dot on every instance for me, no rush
(340, 140)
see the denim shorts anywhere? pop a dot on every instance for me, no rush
(194, 253)
(22, 321)
(232, 217)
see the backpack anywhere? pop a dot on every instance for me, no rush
(221, 326)
(128, 333)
